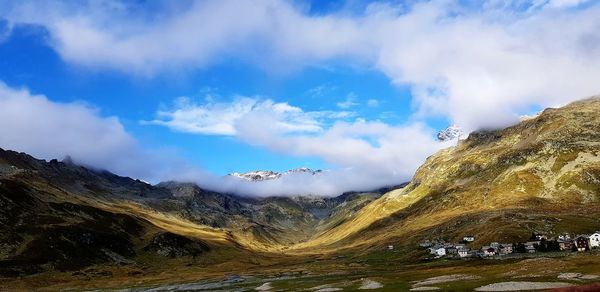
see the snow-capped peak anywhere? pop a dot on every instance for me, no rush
(451, 133)
(257, 175)
(262, 175)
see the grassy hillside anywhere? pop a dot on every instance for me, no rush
(542, 175)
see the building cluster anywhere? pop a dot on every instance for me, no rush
(537, 243)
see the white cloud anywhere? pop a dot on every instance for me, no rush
(366, 148)
(480, 69)
(480, 65)
(367, 155)
(111, 34)
(49, 130)
(364, 155)
(221, 118)
(565, 3)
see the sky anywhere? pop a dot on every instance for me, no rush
(194, 90)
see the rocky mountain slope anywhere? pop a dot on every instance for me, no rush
(271, 221)
(53, 213)
(57, 215)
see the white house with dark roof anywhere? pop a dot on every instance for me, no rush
(438, 251)
(464, 253)
(595, 240)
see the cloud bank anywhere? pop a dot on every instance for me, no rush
(369, 155)
(221, 118)
(48, 130)
(479, 63)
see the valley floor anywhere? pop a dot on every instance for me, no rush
(381, 270)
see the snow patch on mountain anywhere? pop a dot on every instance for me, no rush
(451, 133)
(262, 175)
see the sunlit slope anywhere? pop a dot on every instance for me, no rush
(542, 174)
(381, 208)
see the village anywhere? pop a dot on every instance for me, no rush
(439, 248)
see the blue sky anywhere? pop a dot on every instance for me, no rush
(27, 61)
(193, 90)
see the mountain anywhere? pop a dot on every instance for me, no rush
(450, 133)
(541, 175)
(257, 175)
(58, 215)
(262, 175)
(270, 221)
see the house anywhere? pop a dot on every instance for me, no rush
(451, 250)
(565, 244)
(438, 251)
(459, 246)
(582, 242)
(469, 238)
(564, 237)
(494, 244)
(530, 246)
(505, 248)
(595, 240)
(464, 253)
(488, 251)
(390, 247)
(541, 236)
